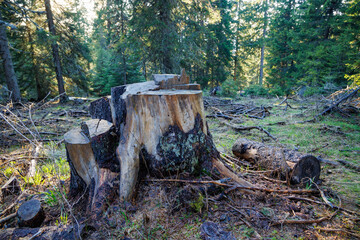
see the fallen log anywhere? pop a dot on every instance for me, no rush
(283, 162)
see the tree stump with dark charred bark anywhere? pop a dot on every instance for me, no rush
(284, 162)
(161, 129)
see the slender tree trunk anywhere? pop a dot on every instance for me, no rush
(123, 34)
(55, 50)
(39, 88)
(108, 22)
(236, 41)
(261, 75)
(10, 77)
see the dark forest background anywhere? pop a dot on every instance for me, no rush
(268, 47)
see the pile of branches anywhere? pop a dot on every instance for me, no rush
(346, 99)
(232, 110)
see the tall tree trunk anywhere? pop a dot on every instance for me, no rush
(10, 76)
(123, 35)
(55, 50)
(236, 41)
(40, 90)
(261, 75)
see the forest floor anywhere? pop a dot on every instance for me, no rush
(177, 210)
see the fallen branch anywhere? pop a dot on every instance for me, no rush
(319, 220)
(33, 161)
(339, 230)
(219, 182)
(322, 203)
(257, 235)
(7, 218)
(289, 191)
(236, 128)
(349, 165)
(227, 173)
(12, 205)
(329, 109)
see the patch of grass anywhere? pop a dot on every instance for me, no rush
(332, 137)
(36, 180)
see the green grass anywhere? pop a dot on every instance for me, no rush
(326, 137)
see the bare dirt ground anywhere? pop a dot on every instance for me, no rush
(177, 210)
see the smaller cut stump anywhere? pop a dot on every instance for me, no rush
(31, 214)
(94, 166)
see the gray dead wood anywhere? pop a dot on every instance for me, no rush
(31, 214)
(283, 162)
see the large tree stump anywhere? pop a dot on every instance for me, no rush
(94, 167)
(161, 129)
(168, 130)
(284, 162)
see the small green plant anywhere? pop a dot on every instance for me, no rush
(53, 198)
(9, 171)
(36, 180)
(198, 204)
(49, 170)
(63, 219)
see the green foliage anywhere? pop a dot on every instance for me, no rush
(230, 88)
(54, 197)
(35, 180)
(63, 219)
(313, 91)
(256, 90)
(199, 204)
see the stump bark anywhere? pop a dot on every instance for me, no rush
(284, 162)
(100, 109)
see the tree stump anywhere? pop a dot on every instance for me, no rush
(31, 214)
(284, 162)
(168, 130)
(161, 130)
(91, 156)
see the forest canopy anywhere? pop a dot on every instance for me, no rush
(265, 47)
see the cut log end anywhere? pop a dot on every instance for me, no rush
(307, 170)
(31, 214)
